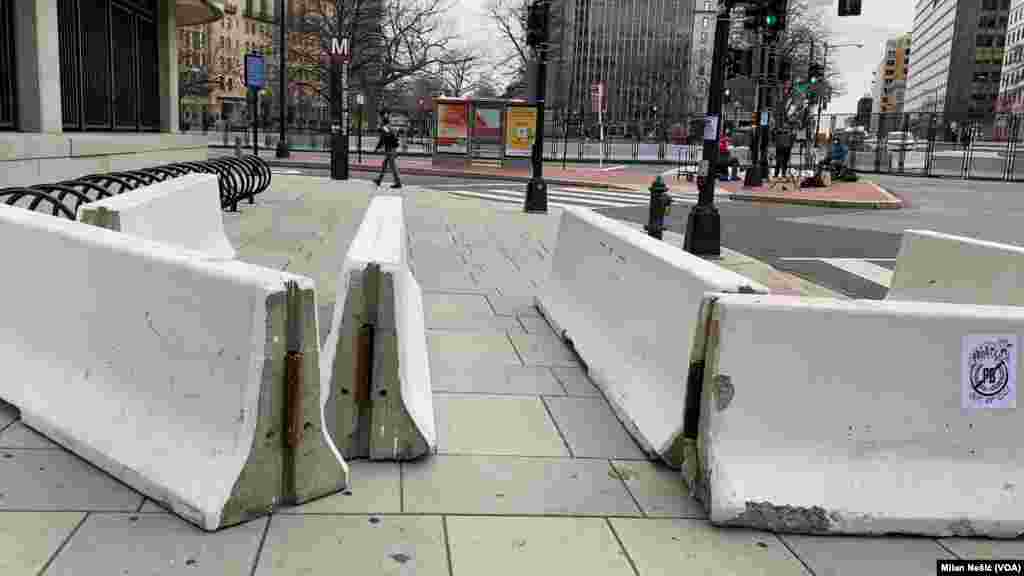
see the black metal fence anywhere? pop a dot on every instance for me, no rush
(239, 179)
(914, 144)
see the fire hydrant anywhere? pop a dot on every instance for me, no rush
(661, 205)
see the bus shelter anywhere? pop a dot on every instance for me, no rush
(483, 132)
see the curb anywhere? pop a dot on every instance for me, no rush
(454, 174)
(892, 203)
(883, 205)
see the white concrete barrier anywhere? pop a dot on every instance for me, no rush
(183, 211)
(629, 305)
(377, 363)
(935, 267)
(858, 416)
(165, 369)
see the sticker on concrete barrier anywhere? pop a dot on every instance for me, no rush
(989, 377)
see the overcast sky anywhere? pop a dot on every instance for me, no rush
(879, 21)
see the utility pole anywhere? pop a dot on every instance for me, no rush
(537, 38)
(282, 140)
(817, 123)
(754, 175)
(703, 226)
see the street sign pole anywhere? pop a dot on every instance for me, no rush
(704, 226)
(254, 81)
(339, 55)
(536, 200)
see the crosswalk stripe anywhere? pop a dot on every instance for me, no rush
(571, 197)
(577, 199)
(860, 267)
(592, 195)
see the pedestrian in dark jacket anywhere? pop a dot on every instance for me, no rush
(783, 148)
(389, 142)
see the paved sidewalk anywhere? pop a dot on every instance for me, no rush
(534, 474)
(862, 195)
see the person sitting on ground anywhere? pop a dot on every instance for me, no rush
(837, 159)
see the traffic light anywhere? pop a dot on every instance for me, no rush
(537, 24)
(815, 71)
(785, 70)
(739, 62)
(775, 15)
(849, 7)
(754, 17)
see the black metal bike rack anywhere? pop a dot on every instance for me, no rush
(238, 179)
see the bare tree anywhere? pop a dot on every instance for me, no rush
(805, 28)
(391, 41)
(460, 74)
(509, 16)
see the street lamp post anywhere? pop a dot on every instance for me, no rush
(824, 72)
(282, 140)
(703, 226)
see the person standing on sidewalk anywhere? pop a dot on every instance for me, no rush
(389, 141)
(783, 148)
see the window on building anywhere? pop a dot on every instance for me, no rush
(983, 40)
(705, 21)
(989, 5)
(703, 36)
(109, 69)
(1004, 4)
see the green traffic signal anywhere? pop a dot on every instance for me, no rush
(771, 20)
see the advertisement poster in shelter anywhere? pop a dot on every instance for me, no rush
(521, 131)
(486, 130)
(452, 127)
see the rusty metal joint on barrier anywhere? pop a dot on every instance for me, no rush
(293, 377)
(293, 365)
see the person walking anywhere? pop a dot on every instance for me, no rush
(389, 141)
(783, 149)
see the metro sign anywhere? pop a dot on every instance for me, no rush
(340, 50)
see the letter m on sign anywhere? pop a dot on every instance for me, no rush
(339, 49)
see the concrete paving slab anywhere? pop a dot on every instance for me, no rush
(839, 555)
(575, 381)
(354, 545)
(157, 543)
(658, 489)
(452, 349)
(517, 380)
(17, 435)
(453, 311)
(517, 546)
(977, 548)
(508, 485)
(8, 414)
(512, 305)
(591, 429)
(495, 425)
(542, 350)
(680, 546)
(59, 480)
(29, 539)
(375, 489)
(537, 326)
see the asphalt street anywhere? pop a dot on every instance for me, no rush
(847, 250)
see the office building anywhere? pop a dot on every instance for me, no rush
(638, 49)
(89, 87)
(889, 90)
(701, 54)
(958, 47)
(1011, 87)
